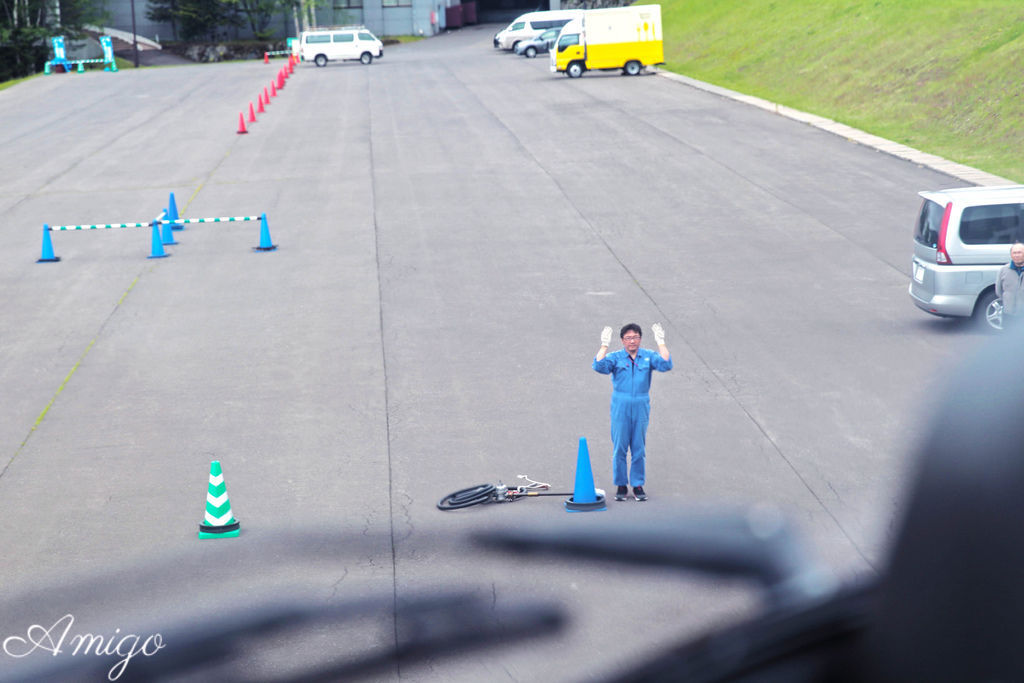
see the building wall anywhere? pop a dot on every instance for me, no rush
(411, 18)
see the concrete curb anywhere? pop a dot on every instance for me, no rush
(959, 171)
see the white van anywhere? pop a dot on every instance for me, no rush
(962, 237)
(340, 43)
(532, 24)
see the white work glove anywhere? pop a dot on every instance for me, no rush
(606, 336)
(659, 333)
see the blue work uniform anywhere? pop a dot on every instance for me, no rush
(631, 408)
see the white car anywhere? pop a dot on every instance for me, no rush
(530, 25)
(336, 44)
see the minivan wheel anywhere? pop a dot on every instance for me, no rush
(632, 68)
(321, 60)
(514, 45)
(531, 52)
(994, 313)
(574, 70)
(366, 58)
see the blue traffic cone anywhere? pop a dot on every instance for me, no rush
(157, 249)
(172, 214)
(265, 244)
(585, 497)
(47, 255)
(168, 233)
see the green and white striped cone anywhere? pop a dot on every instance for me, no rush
(218, 522)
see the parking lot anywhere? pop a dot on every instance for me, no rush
(455, 226)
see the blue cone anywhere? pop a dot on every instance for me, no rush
(168, 233)
(265, 243)
(584, 495)
(172, 214)
(47, 255)
(157, 250)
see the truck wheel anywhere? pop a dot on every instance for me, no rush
(531, 52)
(321, 60)
(366, 58)
(574, 70)
(632, 68)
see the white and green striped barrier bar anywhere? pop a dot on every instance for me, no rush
(107, 226)
(102, 226)
(225, 219)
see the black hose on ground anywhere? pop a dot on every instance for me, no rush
(474, 495)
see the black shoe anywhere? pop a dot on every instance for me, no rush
(638, 493)
(620, 493)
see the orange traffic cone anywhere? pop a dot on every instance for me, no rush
(259, 105)
(252, 113)
(266, 58)
(241, 124)
(273, 90)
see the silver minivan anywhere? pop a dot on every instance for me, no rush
(961, 239)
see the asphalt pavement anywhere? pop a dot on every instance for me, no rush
(455, 225)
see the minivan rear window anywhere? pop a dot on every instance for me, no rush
(929, 221)
(995, 224)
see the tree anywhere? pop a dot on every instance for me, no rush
(26, 26)
(164, 11)
(258, 13)
(202, 19)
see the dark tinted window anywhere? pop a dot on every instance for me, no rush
(926, 231)
(571, 39)
(997, 224)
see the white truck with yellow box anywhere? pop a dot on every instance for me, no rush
(627, 38)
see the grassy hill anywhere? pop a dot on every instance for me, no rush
(943, 76)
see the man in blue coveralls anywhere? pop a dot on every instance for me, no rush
(631, 369)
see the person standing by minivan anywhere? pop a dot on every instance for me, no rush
(1010, 287)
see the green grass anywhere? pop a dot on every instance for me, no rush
(7, 84)
(401, 39)
(943, 76)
